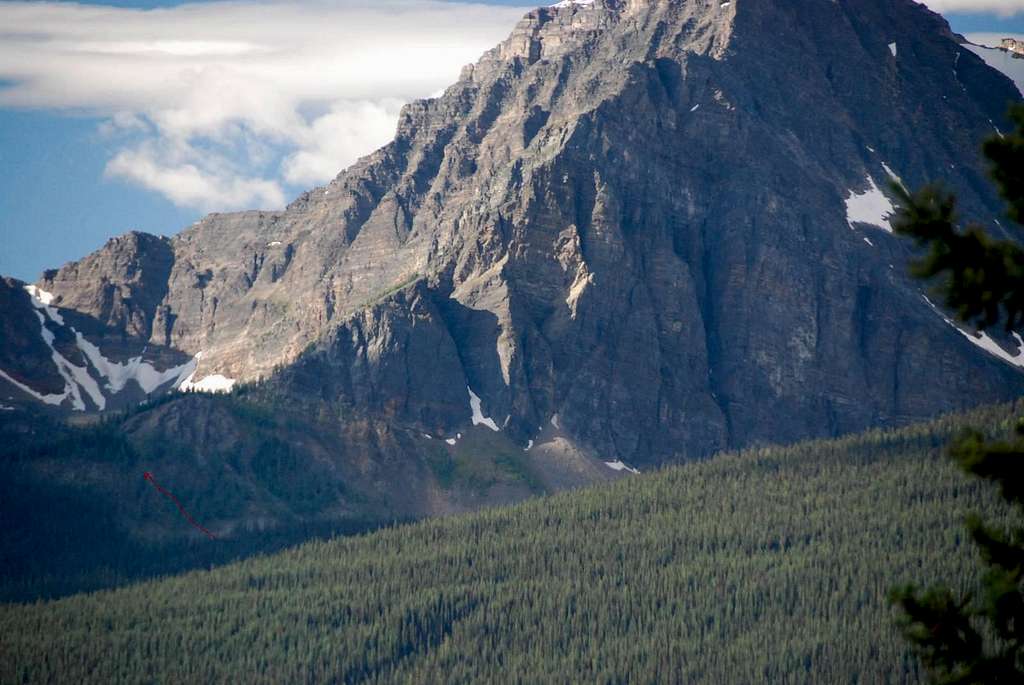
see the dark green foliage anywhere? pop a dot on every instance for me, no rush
(979, 277)
(966, 638)
(279, 469)
(963, 639)
(77, 515)
(442, 464)
(767, 566)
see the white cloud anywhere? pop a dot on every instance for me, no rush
(188, 184)
(217, 105)
(1004, 8)
(336, 137)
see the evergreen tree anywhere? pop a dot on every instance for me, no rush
(976, 639)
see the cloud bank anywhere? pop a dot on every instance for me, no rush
(222, 105)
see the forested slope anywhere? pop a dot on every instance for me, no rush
(771, 565)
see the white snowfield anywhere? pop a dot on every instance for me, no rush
(869, 207)
(892, 174)
(39, 294)
(984, 341)
(619, 466)
(145, 375)
(569, 3)
(478, 415)
(76, 378)
(214, 383)
(79, 383)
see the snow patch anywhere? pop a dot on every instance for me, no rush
(870, 207)
(274, 243)
(529, 446)
(866, 240)
(48, 336)
(214, 383)
(892, 174)
(451, 441)
(695, 107)
(39, 294)
(478, 415)
(77, 378)
(69, 372)
(619, 466)
(984, 341)
(554, 421)
(42, 300)
(569, 3)
(135, 369)
(892, 48)
(80, 376)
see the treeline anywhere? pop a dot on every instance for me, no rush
(771, 565)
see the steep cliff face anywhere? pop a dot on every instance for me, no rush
(649, 229)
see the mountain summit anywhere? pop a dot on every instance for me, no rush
(643, 229)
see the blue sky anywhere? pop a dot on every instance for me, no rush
(89, 155)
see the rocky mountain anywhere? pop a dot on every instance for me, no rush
(635, 232)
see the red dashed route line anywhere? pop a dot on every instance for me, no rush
(149, 476)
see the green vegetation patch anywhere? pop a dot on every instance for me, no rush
(481, 459)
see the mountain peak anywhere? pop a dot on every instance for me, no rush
(632, 216)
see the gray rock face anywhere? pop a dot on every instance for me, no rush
(629, 222)
(123, 286)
